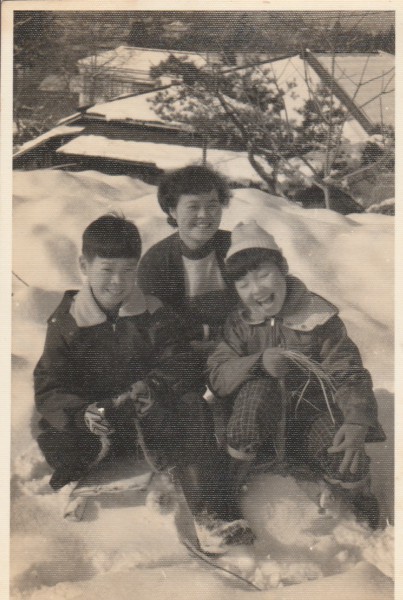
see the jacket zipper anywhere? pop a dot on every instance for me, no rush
(281, 436)
(272, 332)
(113, 357)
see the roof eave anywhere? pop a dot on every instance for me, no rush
(325, 76)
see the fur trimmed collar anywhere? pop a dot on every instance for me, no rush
(86, 312)
(303, 310)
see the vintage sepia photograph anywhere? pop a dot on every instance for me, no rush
(201, 210)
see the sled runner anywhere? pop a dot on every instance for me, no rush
(216, 562)
(108, 477)
(187, 535)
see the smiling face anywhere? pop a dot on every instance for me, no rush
(262, 290)
(198, 217)
(112, 280)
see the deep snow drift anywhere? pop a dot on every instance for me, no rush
(123, 547)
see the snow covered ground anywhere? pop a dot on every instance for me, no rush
(123, 548)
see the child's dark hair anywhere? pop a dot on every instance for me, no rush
(111, 236)
(239, 264)
(193, 179)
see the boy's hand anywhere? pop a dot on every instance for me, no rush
(141, 395)
(95, 420)
(350, 438)
(275, 363)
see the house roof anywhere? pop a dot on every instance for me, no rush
(176, 26)
(369, 80)
(129, 108)
(137, 59)
(361, 77)
(234, 165)
(139, 108)
(364, 81)
(59, 83)
(59, 131)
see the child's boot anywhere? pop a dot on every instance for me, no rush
(366, 508)
(217, 525)
(229, 524)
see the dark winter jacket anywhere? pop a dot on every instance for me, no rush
(161, 273)
(88, 358)
(307, 324)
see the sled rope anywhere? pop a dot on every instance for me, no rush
(190, 547)
(210, 561)
(149, 460)
(140, 437)
(20, 278)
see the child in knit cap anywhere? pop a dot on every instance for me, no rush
(291, 380)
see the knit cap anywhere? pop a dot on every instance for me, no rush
(250, 235)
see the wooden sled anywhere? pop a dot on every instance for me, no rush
(107, 477)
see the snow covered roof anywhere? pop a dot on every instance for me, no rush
(176, 26)
(288, 70)
(369, 79)
(137, 59)
(55, 132)
(53, 83)
(362, 77)
(234, 165)
(131, 108)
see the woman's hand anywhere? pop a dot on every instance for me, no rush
(350, 439)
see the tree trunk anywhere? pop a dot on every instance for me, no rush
(261, 172)
(326, 192)
(204, 157)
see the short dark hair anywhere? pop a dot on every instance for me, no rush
(239, 264)
(111, 236)
(193, 179)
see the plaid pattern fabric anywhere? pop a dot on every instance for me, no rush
(317, 438)
(255, 414)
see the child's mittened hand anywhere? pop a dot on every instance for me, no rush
(95, 420)
(276, 364)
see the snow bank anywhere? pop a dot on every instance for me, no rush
(122, 547)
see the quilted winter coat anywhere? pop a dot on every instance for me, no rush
(309, 325)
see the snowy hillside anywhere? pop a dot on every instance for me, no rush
(121, 550)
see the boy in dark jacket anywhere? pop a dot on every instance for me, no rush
(291, 379)
(111, 354)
